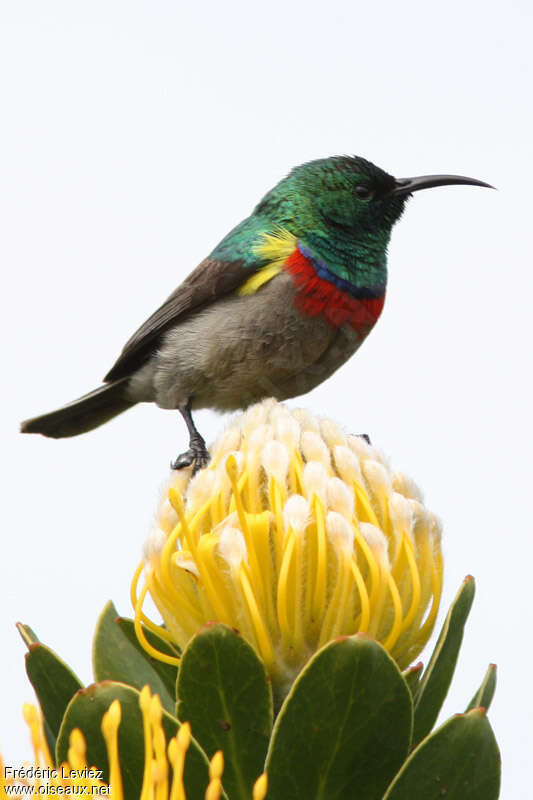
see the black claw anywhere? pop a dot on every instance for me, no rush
(183, 460)
(197, 454)
(365, 436)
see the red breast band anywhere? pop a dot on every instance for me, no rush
(318, 296)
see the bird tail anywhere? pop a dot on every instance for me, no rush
(83, 414)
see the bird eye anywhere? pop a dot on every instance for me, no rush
(364, 192)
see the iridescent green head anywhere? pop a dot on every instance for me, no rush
(344, 208)
(338, 194)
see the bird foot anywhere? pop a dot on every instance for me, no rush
(197, 454)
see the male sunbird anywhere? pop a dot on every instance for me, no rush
(280, 304)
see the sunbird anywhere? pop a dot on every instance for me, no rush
(280, 304)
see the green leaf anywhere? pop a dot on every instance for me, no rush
(167, 672)
(28, 634)
(117, 658)
(223, 692)
(53, 681)
(412, 677)
(436, 680)
(459, 761)
(85, 712)
(485, 693)
(345, 727)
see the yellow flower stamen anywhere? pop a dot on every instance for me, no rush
(407, 546)
(276, 504)
(216, 768)
(110, 725)
(255, 619)
(390, 641)
(251, 545)
(183, 740)
(144, 703)
(366, 510)
(75, 777)
(255, 568)
(320, 575)
(260, 787)
(363, 620)
(285, 588)
(140, 633)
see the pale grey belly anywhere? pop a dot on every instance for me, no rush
(242, 349)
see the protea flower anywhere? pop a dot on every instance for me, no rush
(295, 534)
(298, 577)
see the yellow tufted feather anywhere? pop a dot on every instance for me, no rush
(275, 248)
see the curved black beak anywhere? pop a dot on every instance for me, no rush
(408, 185)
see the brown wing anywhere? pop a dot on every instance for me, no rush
(210, 280)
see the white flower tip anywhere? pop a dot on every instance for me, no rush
(287, 430)
(178, 480)
(269, 404)
(200, 489)
(154, 544)
(360, 447)
(278, 413)
(306, 420)
(234, 464)
(315, 480)
(232, 547)
(377, 476)
(275, 460)
(166, 516)
(296, 513)
(347, 464)
(314, 448)
(331, 433)
(339, 531)
(185, 561)
(401, 513)
(340, 497)
(421, 516)
(435, 529)
(226, 442)
(259, 437)
(404, 485)
(377, 541)
(254, 416)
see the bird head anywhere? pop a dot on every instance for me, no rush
(345, 207)
(347, 195)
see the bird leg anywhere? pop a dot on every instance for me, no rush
(197, 451)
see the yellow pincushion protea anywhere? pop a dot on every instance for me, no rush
(294, 534)
(76, 777)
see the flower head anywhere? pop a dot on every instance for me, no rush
(295, 534)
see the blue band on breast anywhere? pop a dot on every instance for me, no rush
(360, 292)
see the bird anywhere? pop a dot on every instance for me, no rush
(280, 303)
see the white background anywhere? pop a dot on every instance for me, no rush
(133, 137)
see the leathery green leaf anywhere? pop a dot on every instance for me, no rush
(412, 677)
(345, 727)
(85, 712)
(485, 693)
(117, 658)
(167, 672)
(436, 680)
(53, 681)
(223, 692)
(459, 761)
(28, 634)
